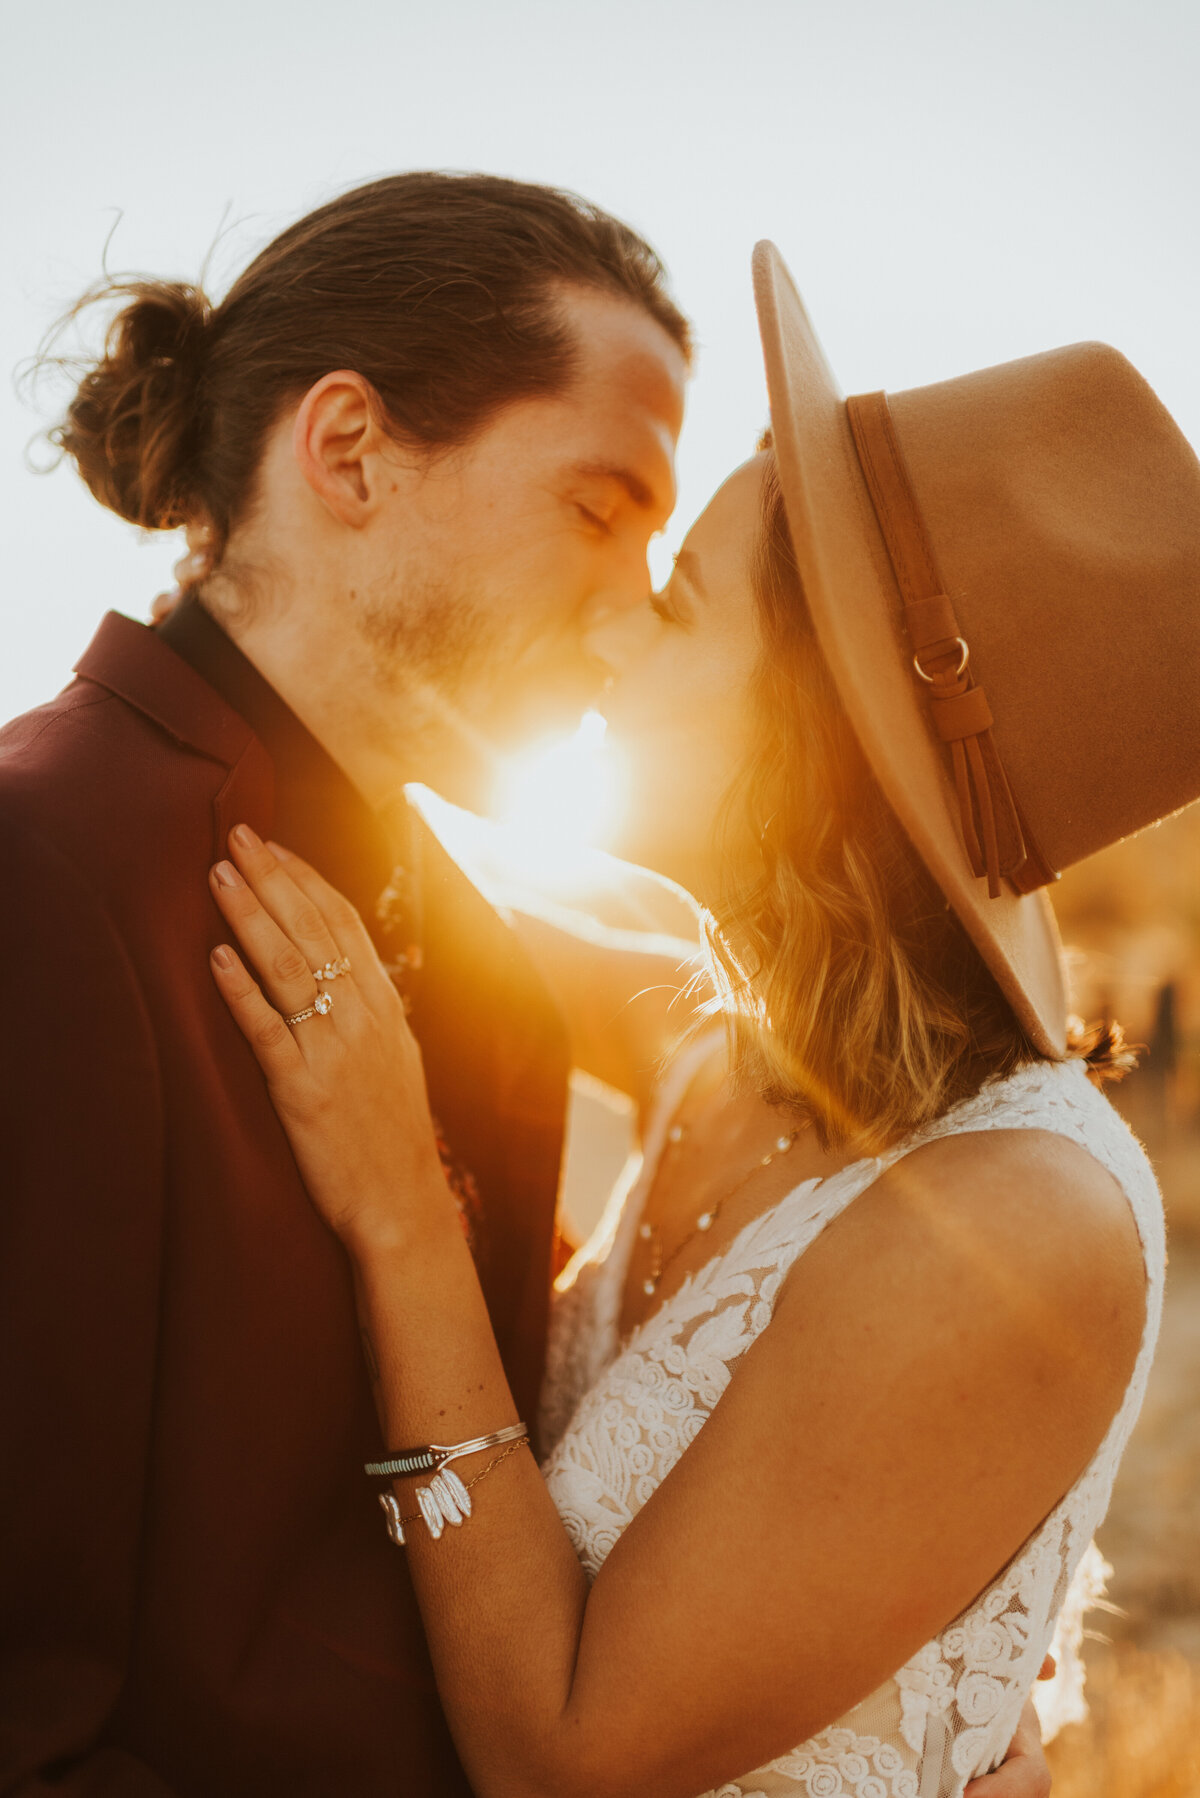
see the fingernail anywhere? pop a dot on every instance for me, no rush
(227, 875)
(245, 838)
(222, 957)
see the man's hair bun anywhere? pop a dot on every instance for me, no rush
(133, 427)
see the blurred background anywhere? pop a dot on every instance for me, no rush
(955, 182)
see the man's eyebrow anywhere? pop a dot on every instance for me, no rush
(633, 484)
(688, 564)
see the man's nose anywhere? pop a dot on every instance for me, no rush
(628, 585)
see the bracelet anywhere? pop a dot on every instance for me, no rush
(433, 1456)
(440, 1502)
(446, 1499)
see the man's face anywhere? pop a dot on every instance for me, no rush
(499, 556)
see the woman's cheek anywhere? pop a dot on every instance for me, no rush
(677, 772)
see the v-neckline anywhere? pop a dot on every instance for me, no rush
(696, 1274)
(681, 1075)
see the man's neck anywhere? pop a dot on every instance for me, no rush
(329, 680)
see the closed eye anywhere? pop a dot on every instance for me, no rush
(593, 518)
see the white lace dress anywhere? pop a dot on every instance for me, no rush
(617, 1416)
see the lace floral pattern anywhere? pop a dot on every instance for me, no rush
(840, 1762)
(619, 1417)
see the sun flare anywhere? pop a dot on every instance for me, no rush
(557, 802)
(554, 810)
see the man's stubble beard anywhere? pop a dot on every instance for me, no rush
(436, 654)
(467, 690)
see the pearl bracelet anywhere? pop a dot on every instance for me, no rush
(446, 1499)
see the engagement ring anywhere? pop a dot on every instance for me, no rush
(321, 1006)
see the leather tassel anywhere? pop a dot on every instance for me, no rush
(991, 825)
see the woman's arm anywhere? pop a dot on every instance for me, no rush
(627, 996)
(845, 1498)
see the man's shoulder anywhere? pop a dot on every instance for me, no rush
(103, 782)
(31, 739)
(89, 751)
(37, 742)
(131, 691)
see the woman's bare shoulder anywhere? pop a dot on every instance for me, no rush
(1031, 1181)
(1027, 1146)
(1018, 1239)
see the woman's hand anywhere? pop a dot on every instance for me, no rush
(347, 1081)
(1024, 1771)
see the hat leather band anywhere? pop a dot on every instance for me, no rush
(997, 838)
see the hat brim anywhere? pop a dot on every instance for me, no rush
(857, 614)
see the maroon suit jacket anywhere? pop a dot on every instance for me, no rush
(196, 1591)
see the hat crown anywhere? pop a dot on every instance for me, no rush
(1063, 503)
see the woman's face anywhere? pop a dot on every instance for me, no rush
(680, 707)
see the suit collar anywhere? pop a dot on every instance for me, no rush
(300, 760)
(132, 662)
(195, 684)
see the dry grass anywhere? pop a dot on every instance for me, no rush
(1142, 1738)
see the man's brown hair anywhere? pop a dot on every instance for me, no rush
(439, 289)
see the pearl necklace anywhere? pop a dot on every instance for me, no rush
(653, 1235)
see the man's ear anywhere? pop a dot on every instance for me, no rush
(335, 441)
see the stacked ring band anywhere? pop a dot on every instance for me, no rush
(321, 1006)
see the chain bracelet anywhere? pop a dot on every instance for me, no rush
(450, 1504)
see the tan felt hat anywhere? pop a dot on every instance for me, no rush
(1003, 572)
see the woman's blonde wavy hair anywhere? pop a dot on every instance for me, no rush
(852, 991)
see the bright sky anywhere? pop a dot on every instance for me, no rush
(954, 182)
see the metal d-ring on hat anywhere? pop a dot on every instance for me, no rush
(1003, 573)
